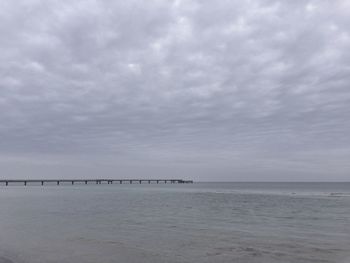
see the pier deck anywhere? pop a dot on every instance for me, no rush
(94, 181)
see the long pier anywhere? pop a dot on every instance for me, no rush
(26, 182)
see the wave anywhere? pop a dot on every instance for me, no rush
(281, 193)
(339, 194)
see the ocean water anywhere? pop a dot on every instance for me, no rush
(200, 222)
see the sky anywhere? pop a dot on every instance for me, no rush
(229, 90)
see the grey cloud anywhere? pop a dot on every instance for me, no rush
(231, 90)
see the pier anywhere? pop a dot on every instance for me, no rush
(26, 182)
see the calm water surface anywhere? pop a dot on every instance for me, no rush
(203, 222)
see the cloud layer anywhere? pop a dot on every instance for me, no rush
(228, 90)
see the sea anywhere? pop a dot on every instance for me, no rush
(197, 223)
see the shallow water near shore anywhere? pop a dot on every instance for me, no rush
(200, 222)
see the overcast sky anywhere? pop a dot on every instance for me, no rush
(207, 90)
